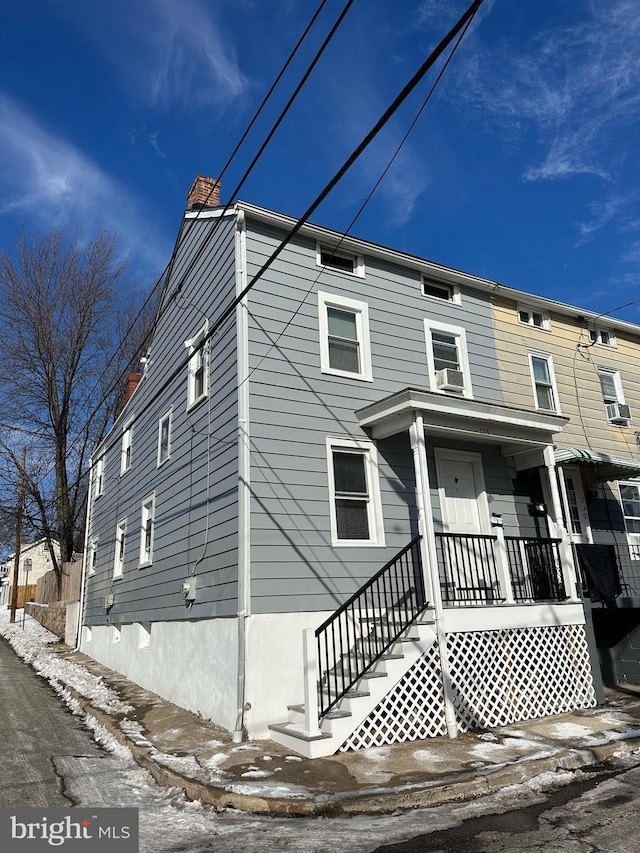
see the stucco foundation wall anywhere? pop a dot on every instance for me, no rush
(193, 664)
(274, 677)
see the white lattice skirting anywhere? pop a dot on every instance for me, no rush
(498, 678)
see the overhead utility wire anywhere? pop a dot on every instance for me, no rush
(405, 92)
(366, 141)
(164, 275)
(260, 151)
(370, 195)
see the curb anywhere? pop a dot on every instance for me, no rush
(350, 803)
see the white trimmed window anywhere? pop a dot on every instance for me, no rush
(545, 392)
(337, 260)
(630, 500)
(99, 476)
(125, 452)
(345, 348)
(356, 507)
(618, 412)
(603, 337)
(441, 290)
(198, 367)
(93, 557)
(118, 560)
(146, 531)
(447, 359)
(533, 317)
(164, 438)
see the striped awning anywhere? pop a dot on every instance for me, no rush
(607, 467)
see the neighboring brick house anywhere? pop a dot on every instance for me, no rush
(307, 523)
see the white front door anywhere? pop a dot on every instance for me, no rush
(462, 494)
(463, 557)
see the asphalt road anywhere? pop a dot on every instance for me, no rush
(35, 729)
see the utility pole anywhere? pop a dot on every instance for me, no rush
(19, 512)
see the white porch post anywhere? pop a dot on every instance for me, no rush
(568, 567)
(430, 562)
(310, 664)
(502, 562)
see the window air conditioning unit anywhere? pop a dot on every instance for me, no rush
(450, 380)
(618, 413)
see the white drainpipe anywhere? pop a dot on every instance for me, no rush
(244, 472)
(85, 556)
(423, 498)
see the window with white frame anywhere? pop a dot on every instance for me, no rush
(339, 261)
(441, 290)
(630, 500)
(164, 437)
(93, 557)
(544, 384)
(125, 453)
(355, 508)
(99, 476)
(603, 337)
(447, 359)
(118, 560)
(198, 379)
(533, 317)
(345, 348)
(618, 412)
(146, 531)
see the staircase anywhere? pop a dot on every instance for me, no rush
(356, 657)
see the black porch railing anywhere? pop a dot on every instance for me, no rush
(358, 634)
(467, 568)
(535, 569)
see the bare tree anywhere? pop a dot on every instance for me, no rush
(63, 307)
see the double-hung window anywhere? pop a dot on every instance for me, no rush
(630, 500)
(98, 481)
(345, 348)
(447, 359)
(603, 337)
(164, 438)
(198, 380)
(544, 385)
(118, 560)
(618, 412)
(146, 531)
(355, 509)
(125, 453)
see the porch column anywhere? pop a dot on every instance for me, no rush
(568, 566)
(430, 562)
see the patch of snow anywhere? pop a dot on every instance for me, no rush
(254, 773)
(429, 756)
(292, 758)
(570, 730)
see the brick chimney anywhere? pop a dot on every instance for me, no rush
(204, 192)
(130, 386)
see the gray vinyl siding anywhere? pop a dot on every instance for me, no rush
(207, 433)
(294, 407)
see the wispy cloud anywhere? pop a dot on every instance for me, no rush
(167, 52)
(48, 183)
(573, 88)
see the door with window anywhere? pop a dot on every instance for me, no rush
(576, 506)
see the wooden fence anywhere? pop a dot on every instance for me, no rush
(46, 589)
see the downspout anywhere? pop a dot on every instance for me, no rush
(244, 472)
(83, 578)
(423, 497)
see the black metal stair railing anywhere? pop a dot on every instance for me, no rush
(358, 634)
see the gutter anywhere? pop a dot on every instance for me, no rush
(85, 554)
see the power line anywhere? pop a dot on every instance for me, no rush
(466, 18)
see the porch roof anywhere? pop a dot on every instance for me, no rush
(460, 417)
(607, 467)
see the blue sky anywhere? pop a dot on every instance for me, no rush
(523, 168)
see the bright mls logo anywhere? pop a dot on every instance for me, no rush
(34, 830)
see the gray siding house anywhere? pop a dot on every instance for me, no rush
(307, 523)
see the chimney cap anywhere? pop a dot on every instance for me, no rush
(203, 193)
